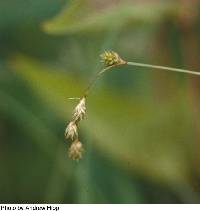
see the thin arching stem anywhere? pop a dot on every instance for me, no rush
(96, 76)
(163, 68)
(94, 79)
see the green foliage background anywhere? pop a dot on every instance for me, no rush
(141, 133)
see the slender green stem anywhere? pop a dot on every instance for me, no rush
(94, 79)
(96, 76)
(163, 68)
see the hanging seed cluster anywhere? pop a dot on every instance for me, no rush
(76, 150)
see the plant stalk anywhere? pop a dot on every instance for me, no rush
(163, 68)
(94, 79)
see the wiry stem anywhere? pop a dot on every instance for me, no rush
(94, 79)
(163, 68)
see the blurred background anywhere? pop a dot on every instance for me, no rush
(142, 130)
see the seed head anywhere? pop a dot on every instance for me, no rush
(76, 150)
(71, 131)
(79, 111)
(110, 58)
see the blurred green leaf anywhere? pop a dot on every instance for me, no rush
(26, 12)
(84, 15)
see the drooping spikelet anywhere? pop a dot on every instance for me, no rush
(76, 150)
(79, 111)
(71, 131)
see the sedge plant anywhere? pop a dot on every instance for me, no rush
(110, 60)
